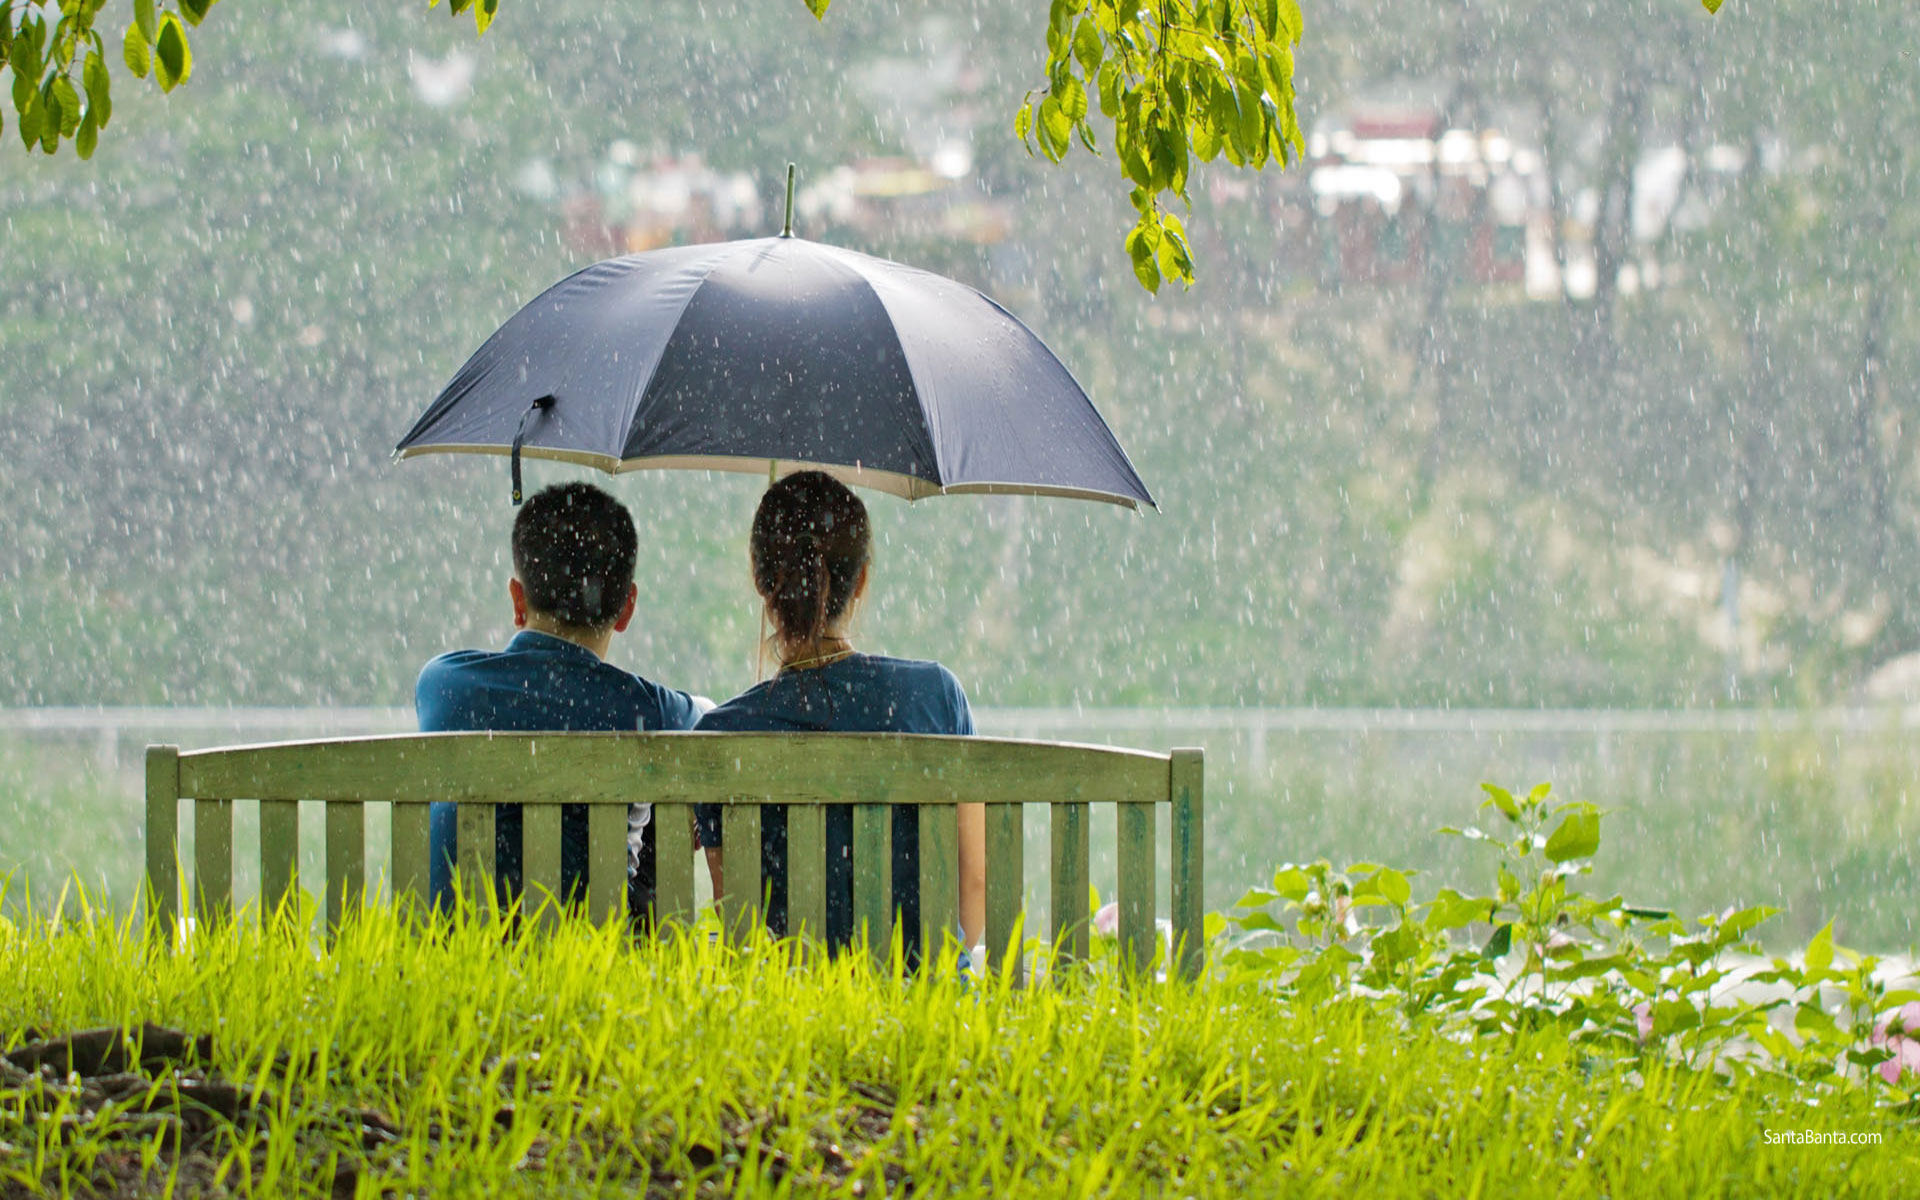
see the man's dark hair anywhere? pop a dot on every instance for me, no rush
(574, 549)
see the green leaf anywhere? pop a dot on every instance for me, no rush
(1291, 881)
(1577, 837)
(172, 58)
(1073, 99)
(194, 11)
(483, 14)
(1451, 910)
(1054, 129)
(88, 137)
(1169, 160)
(1498, 945)
(94, 77)
(1108, 85)
(1502, 799)
(143, 20)
(1712, 6)
(818, 8)
(1141, 251)
(1206, 141)
(24, 58)
(1259, 922)
(1087, 46)
(24, 86)
(52, 114)
(1173, 260)
(1394, 886)
(1023, 124)
(1292, 18)
(32, 116)
(1267, 15)
(1396, 945)
(1673, 1016)
(1820, 950)
(1810, 1020)
(1739, 924)
(66, 100)
(135, 52)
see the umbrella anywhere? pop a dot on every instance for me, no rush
(774, 354)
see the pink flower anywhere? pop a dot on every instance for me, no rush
(1643, 1019)
(1905, 1044)
(1106, 922)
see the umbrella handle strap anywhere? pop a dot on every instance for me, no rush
(520, 436)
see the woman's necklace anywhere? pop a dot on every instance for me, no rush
(820, 660)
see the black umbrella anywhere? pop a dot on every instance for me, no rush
(778, 353)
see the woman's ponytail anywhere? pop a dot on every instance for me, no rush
(810, 540)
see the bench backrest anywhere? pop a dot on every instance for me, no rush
(673, 771)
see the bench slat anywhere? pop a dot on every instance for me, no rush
(213, 859)
(672, 835)
(707, 768)
(1070, 880)
(1188, 780)
(1136, 855)
(540, 860)
(746, 893)
(873, 877)
(1006, 886)
(412, 856)
(279, 854)
(606, 862)
(939, 880)
(807, 870)
(346, 859)
(473, 839)
(163, 839)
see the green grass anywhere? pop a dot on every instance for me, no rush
(478, 1063)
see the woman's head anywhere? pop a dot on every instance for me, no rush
(810, 547)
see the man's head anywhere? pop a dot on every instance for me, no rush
(573, 554)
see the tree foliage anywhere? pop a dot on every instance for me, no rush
(1178, 80)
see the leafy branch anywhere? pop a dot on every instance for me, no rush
(62, 88)
(1179, 80)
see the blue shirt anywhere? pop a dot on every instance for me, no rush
(538, 684)
(862, 693)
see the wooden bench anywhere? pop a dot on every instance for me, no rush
(677, 770)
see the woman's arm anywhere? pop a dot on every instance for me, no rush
(973, 873)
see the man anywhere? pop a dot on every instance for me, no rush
(572, 589)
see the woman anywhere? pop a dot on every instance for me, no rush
(810, 551)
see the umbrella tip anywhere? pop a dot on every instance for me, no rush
(786, 230)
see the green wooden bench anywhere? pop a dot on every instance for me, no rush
(677, 770)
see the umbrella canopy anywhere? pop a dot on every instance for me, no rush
(737, 355)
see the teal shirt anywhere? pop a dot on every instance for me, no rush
(862, 693)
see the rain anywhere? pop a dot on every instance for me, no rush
(1548, 419)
